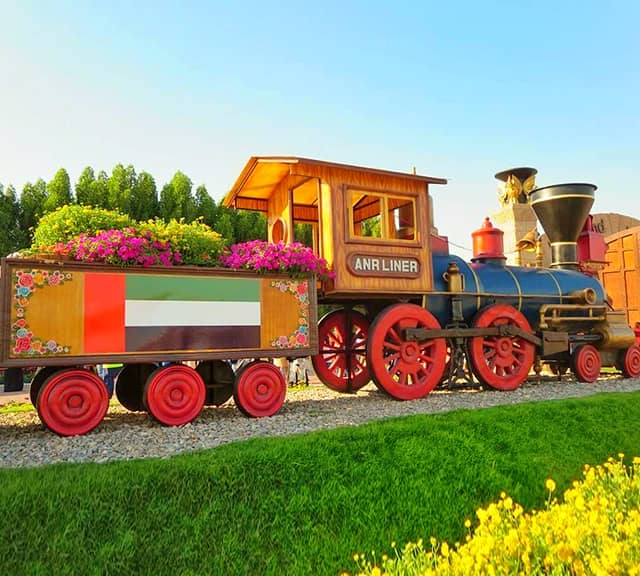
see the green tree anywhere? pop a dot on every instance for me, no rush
(84, 187)
(224, 224)
(99, 191)
(119, 187)
(32, 201)
(144, 198)
(58, 191)
(176, 199)
(205, 206)
(249, 225)
(12, 236)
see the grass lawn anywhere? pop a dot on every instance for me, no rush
(304, 504)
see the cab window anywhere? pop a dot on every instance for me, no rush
(381, 216)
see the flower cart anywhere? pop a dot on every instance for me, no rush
(176, 330)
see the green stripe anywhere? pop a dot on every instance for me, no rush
(158, 287)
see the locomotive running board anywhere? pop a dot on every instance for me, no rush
(506, 330)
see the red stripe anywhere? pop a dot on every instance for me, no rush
(104, 296)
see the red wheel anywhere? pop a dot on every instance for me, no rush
(629, 361)
(586, 363)
(501, 362)
(72, 402)
(341, 363)
(259, 389)
(174, 394)
(405, 369)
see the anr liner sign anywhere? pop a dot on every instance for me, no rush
(379, 265)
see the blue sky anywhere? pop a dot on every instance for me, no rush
(459, 90)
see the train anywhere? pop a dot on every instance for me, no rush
(400, 309)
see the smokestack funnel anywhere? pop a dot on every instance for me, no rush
(562, 210)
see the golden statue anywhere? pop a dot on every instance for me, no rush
(517, 185)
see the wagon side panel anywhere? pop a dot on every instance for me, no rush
(64, 315)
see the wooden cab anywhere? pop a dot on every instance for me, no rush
(372, 226)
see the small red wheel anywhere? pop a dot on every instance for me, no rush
(72, 401)
(259, 389)
(405, 369)
(341, 363)
(586, 363)
(174, 394)
(629, 361)
(501, 362)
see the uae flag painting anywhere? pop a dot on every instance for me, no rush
(71, 312)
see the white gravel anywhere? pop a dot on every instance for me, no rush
(123, 435)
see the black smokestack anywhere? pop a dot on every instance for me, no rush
(562, 210)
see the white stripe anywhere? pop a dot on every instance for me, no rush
(190, 313)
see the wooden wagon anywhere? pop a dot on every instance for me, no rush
(176, 330)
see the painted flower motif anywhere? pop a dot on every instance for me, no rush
(22, 332)
(26, 280)
(23, 291)
(23, 344)
(52, 345)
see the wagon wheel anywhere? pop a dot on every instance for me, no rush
(259, 389)
(501, 362)
(585, 363)
(405, 369)
(218, 377)
(72, 401)
(341, 363)
(174, 395)
(38, 380)
(629, 361)
(130, 385)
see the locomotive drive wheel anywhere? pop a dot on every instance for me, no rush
(218, 377)
(501, 362)
(260, 389)
(72, 401)
(586, 363)
(405, 369)
(341, 363)
(174, 395)
(130, 385)
(629, 361)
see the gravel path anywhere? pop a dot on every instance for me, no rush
(125, 435)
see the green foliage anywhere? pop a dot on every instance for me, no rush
(303, 504)
(144, 198)
(11, 235)
(69, 221)
(176, 199)
(195, 241)
(58, 191)
(32, 202)
(84, 188)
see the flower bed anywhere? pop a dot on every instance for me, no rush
(596, 530)
(294, 259)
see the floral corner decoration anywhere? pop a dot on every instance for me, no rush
(300, 290)
(23, 341)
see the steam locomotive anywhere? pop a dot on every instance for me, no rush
(410, 315)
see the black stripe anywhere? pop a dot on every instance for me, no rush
(193, 338)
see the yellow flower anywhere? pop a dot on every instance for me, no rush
(445, 549)
(550, 484)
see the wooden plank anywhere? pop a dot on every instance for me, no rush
(286, 314)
